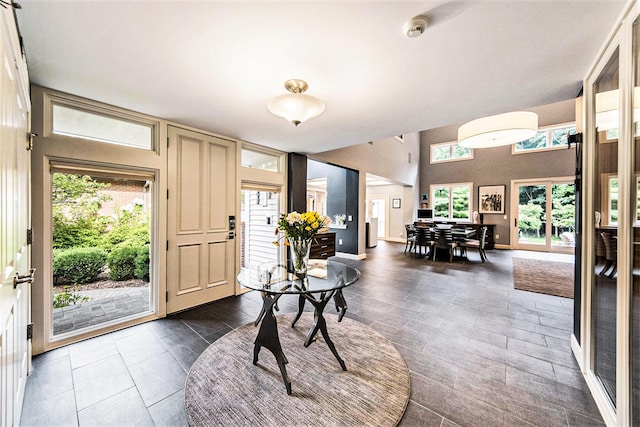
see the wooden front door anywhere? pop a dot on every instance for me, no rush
(201, 199)
(15, 219)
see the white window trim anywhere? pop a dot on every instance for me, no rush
(548, 129)
(451, 144)
(451, 185)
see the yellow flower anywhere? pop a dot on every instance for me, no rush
(315, 225)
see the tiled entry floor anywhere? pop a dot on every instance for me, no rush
(480, 352)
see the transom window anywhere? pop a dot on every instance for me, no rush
(452, 202)
(550, 138)
(449, 152)
(79, 123)
(260, 160)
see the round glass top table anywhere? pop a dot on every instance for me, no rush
(324, 280)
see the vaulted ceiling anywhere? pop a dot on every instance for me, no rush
(215, 64)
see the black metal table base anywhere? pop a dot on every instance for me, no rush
(268, 333)
(320, 324)
(268, 336)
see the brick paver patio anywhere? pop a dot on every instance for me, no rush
(104, 305)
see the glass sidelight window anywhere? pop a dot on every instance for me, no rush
(605, 274)
(259, 214)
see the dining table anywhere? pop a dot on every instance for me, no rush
(458, 233)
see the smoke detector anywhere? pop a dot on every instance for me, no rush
(416, 26)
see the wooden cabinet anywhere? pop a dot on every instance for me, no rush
(323, 246)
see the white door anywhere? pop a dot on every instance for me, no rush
(202, 200)
(378, 208)
(15, 215)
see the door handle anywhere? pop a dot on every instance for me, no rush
(24, 278)
(232, 235)
(515, 222)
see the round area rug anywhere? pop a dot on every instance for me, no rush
(225, 388)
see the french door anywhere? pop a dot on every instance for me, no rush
(544, 215)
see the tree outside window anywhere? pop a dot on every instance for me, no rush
(452, 201)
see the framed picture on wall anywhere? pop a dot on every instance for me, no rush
(395, 203)
(491, 199)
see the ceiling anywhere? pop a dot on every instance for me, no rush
(215, 64)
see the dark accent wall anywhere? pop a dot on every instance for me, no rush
(297, 183)
(342, 198)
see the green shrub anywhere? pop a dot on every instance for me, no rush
(77, 265)
(142, 263)
(131, 228)
(121, 262)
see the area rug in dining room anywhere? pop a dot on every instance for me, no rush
(224, 387)
(542, 276)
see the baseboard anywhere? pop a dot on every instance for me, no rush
(396, 239)
(577, 351)
(497, 246)
(351, 256)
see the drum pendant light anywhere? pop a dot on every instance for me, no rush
(501, 129)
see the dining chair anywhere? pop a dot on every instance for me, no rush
(601, 254)
(476, 244)
(443, 239)
(410, 231)
(423, 240)
(611, 254)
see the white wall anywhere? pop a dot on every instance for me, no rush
(397, 217)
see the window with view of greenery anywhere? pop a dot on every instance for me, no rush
(451, 201)
(449, 152)
(612, 200)
(546, 139)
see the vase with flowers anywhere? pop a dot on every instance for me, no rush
(299, 230)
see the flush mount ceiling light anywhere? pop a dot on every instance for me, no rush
(416, 26)
(296, 106)
(501, 129)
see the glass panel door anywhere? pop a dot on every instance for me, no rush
(259, 213)
(563, 217)
(605, 199)
(546, 216)
(532, 216)
(101, 238)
